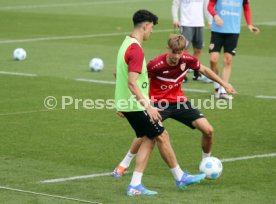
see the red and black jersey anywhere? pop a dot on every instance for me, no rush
(166, 80)
(134, 57)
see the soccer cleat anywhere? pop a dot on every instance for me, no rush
(226, 96)
(205, 79)
(202, 78)
(197, 75)
(139, 190)
(217, 93)
(223, 96)
(119, 171)
(188, 179)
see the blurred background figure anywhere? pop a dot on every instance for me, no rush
(191, 26)
(226, 28)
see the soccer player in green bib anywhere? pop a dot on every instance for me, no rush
(132, 102)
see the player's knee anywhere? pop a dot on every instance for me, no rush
(197, 52)
(149, 141)
(214, 59)
(163, 137)
(209, 132)
(227, 61)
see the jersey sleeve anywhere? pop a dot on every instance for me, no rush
(211, 7)
(247, 12)
(193, 63)
(134, 57)
(207, 15)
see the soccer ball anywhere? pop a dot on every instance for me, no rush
(19, 54)
(96, 64)
(211, 166)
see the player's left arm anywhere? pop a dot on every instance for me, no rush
(212, 75)
(150, 68)
(247, 15)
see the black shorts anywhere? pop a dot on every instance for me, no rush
(228, 41)
(142, 125)
(182, 112)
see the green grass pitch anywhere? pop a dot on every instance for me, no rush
(37, 144)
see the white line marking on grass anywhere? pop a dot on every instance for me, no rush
(110, 173)
(268, 23)
(67, 4)
(47, 195)
(268, 97)
(78, 177)
(197, 90)
(248, 157)
(18, 74)
(72, 37)
(26, 112)
(61, 38)
(113, 82)
(96, 81)
(26, 40)
(185, 89)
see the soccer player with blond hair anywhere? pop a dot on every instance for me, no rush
(166, 73)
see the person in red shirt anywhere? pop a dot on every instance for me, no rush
(132, 103)
(225, 31)
(166, 73)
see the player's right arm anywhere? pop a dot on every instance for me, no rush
(212, 11)
(135, 58)
(135, 90)
(175, 8)
(207, 15)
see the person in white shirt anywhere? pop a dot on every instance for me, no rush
(191, 25)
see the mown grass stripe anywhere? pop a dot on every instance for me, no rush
(110, 173)
(47, 195)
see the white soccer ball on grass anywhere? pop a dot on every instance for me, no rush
(96, 64)
(211, 166)
(19, 54)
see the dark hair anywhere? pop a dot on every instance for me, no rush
(144, 16)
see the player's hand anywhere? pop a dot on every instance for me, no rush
(229, 88)
(176, 24)
(153, 114)
(120, 114)
(253, 29)
(218, 20)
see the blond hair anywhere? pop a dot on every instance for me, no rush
(177, 42)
